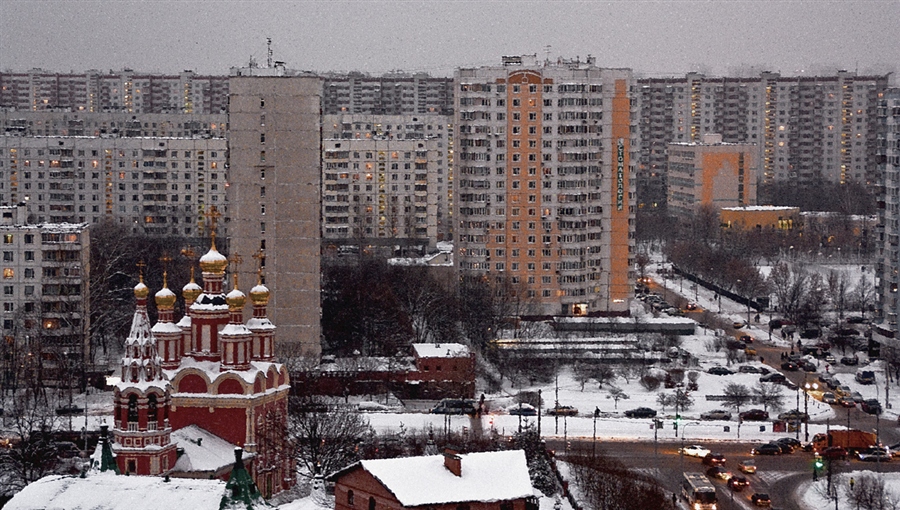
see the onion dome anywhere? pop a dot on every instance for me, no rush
(259, 295)
(191, 290)
(235, 298)
(140, 290)
(165, 298)
(213, 261)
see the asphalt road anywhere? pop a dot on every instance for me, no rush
(779, 476)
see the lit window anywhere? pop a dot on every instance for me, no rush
(8, 272)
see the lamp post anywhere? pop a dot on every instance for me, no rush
(594, 442)
(807, 386)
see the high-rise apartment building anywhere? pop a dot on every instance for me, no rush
(386, 181)
(125, 91)
(807, 129)
(544, 195)
(389, 94)
(710, 173)
(274, 196)
(45, 271)
(888, 230)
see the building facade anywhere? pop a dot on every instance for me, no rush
(386, 181)
(888, 229)
(807, 129)
(46, 305)
(390, 94)
(275, 195)
(544, 201)
(710, 173)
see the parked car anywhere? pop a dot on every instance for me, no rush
(714, 459)
(716, 414)
(761, 499)
(855, 319)
(747, 466)
(766, 449)
(738, 483)
(774, 377)
(69, 409)
(369, 406)
(856, 397)
(522, 409)
(865, 377)
(718, 472)
(754, 415)
(748, 369)
(738, 325)
(807, 366)
(719, 371)
(694, 450)
(829, 358)
(749, 351)
(562, 411)
(640, 412)
(850, 361)
(790, 441)
(790, 366)
(454, 406)
(794, 414)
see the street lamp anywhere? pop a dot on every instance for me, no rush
(807, 386)
(594, 443)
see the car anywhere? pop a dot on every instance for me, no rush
(846, 402)
(738, 483)
(761, 499)
(790, 366)
(749, 351)
(855, 319)
(754, 415)
(850, 361)
(372, 407)
(790, 441)
(835, 453)
(718, 472)
(829, 358)
(766, 449)
(856, 397)
(747, 339)
(691, 306)
(865, 377)
(69, 409)
(807, 366)
(694, 450)
(874, 454)
(843, 391)
(871, 406)
(774, 377)
(454, 406)
(640, 412)
(719, 371)
(737, 325)
(748, 369)
(716, 414)
(747, 466)
(794, 415)
(789, 385)
(714, 459)
(522, 409)
(829, 398)
(562, 411)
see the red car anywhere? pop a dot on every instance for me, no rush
(835, 453)
(754, 415)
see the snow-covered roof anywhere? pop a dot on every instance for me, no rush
(441, 350)
(203, 450)
(762, 208)
(485, 477)
(108, 491)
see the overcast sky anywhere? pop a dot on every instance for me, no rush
(657, 38)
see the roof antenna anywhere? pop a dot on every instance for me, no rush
(269, 52)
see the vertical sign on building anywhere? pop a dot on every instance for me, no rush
(620, 175)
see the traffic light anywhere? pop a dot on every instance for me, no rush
(677, 421)
(818, 464)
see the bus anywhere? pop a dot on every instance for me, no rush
(699, 492)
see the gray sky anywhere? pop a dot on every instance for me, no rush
(658, 38)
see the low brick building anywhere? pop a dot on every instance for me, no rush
(475, 481)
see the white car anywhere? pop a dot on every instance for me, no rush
(695, 450)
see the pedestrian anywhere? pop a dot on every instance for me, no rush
(674, 500)
(761, 360)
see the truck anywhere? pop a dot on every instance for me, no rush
(852, 440)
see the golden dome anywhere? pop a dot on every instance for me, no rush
(259, 295)
(140, 290)
(235, 298)
(213, 261)
(165, 298)
(191, 290)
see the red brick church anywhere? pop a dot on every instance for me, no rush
(192, 391)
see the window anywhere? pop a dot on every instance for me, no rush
(29, 272)
(7, 256)
(371, 503)
(7, 307)
(8, 272)
(7, 238)
(350, 497)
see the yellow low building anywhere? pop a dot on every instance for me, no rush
(760, 217)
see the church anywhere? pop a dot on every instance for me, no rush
(194, 390)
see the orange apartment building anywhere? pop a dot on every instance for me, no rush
(710, 173)
(760, 217)
(544, 198)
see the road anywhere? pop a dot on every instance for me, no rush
(779, 476)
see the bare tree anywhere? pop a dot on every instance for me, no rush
(770, 395)
(838, 288)
(324, 440)
(35, 455)
(616, 394)
(863, 294)
(737, 396)
(665, 400)
(869, 492)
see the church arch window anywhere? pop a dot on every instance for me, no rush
(151, 408)
(371, 503)
(350, 497)
(132, 408)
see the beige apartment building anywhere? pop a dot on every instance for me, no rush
(710, 173)
(544, 198)
(274, 197)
